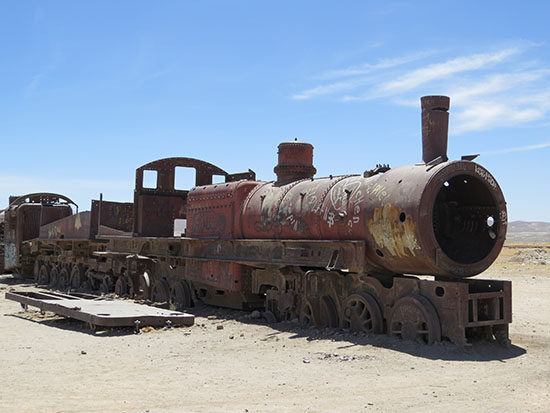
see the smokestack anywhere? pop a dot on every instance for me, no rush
(435, 127)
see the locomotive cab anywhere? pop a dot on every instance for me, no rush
(157, 208)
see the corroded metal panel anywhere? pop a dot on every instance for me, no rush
(435, 126)
(335, 255)
(295, 162)
(76, 226)
(447, 219)
(332, 251)
(155, 209)
(24, 216)
(101, 311)
(214, 211)
(11, 258)
(154, 215)
(226, 276)
(1, 242)
(116, 216)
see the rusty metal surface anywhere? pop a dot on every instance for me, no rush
(435, 127)
(99, 311)
(112, 216)
(23, 219)
(336, 251)
(77, 226)
(439, 218)
(295, 162)
(414, 219)
(155, 209)
(407, 307)
(337, 255)
(43, 198)
(2, 242)
(214, 211)
(223, 275)
(464, 310)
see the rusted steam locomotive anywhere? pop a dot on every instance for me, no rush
(340, 251)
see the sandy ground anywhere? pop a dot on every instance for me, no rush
(49, 364)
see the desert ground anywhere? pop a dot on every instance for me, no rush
(229, 361)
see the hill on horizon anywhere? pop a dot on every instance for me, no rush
(526, 231)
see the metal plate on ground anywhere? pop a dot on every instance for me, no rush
(101, 311)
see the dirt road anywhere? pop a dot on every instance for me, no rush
(49, 364)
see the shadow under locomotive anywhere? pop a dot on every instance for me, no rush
(346, 340)
(343, 339)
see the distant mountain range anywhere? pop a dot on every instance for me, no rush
(523, 231)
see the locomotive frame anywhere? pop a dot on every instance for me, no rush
(245, 246)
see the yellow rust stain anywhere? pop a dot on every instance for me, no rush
(77, 222)
(390, 233)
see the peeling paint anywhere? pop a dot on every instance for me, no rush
(397, 237)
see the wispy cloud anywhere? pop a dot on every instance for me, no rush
(381, 64)
(356, 76)
(490, 89)
(495, 83)
(387, 9)
(484, 111)
(432, 73)
(37, 79)
(519, 149)
(436, 71)
(331, 88)
(484, 114)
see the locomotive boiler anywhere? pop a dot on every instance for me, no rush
(338, 251)
(437, 217)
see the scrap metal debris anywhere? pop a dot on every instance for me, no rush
(100, 311)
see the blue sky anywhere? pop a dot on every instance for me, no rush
(89, 91)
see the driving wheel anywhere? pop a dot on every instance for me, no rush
(36, 270)
(144, 289)
(328, 313)
(43, 275)
(414, 318)
(121, 286)
(64, 278)
(180, 295)
(360, 312)
(76, 277)
(307, 318)
(54, 277)
(160, 293)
